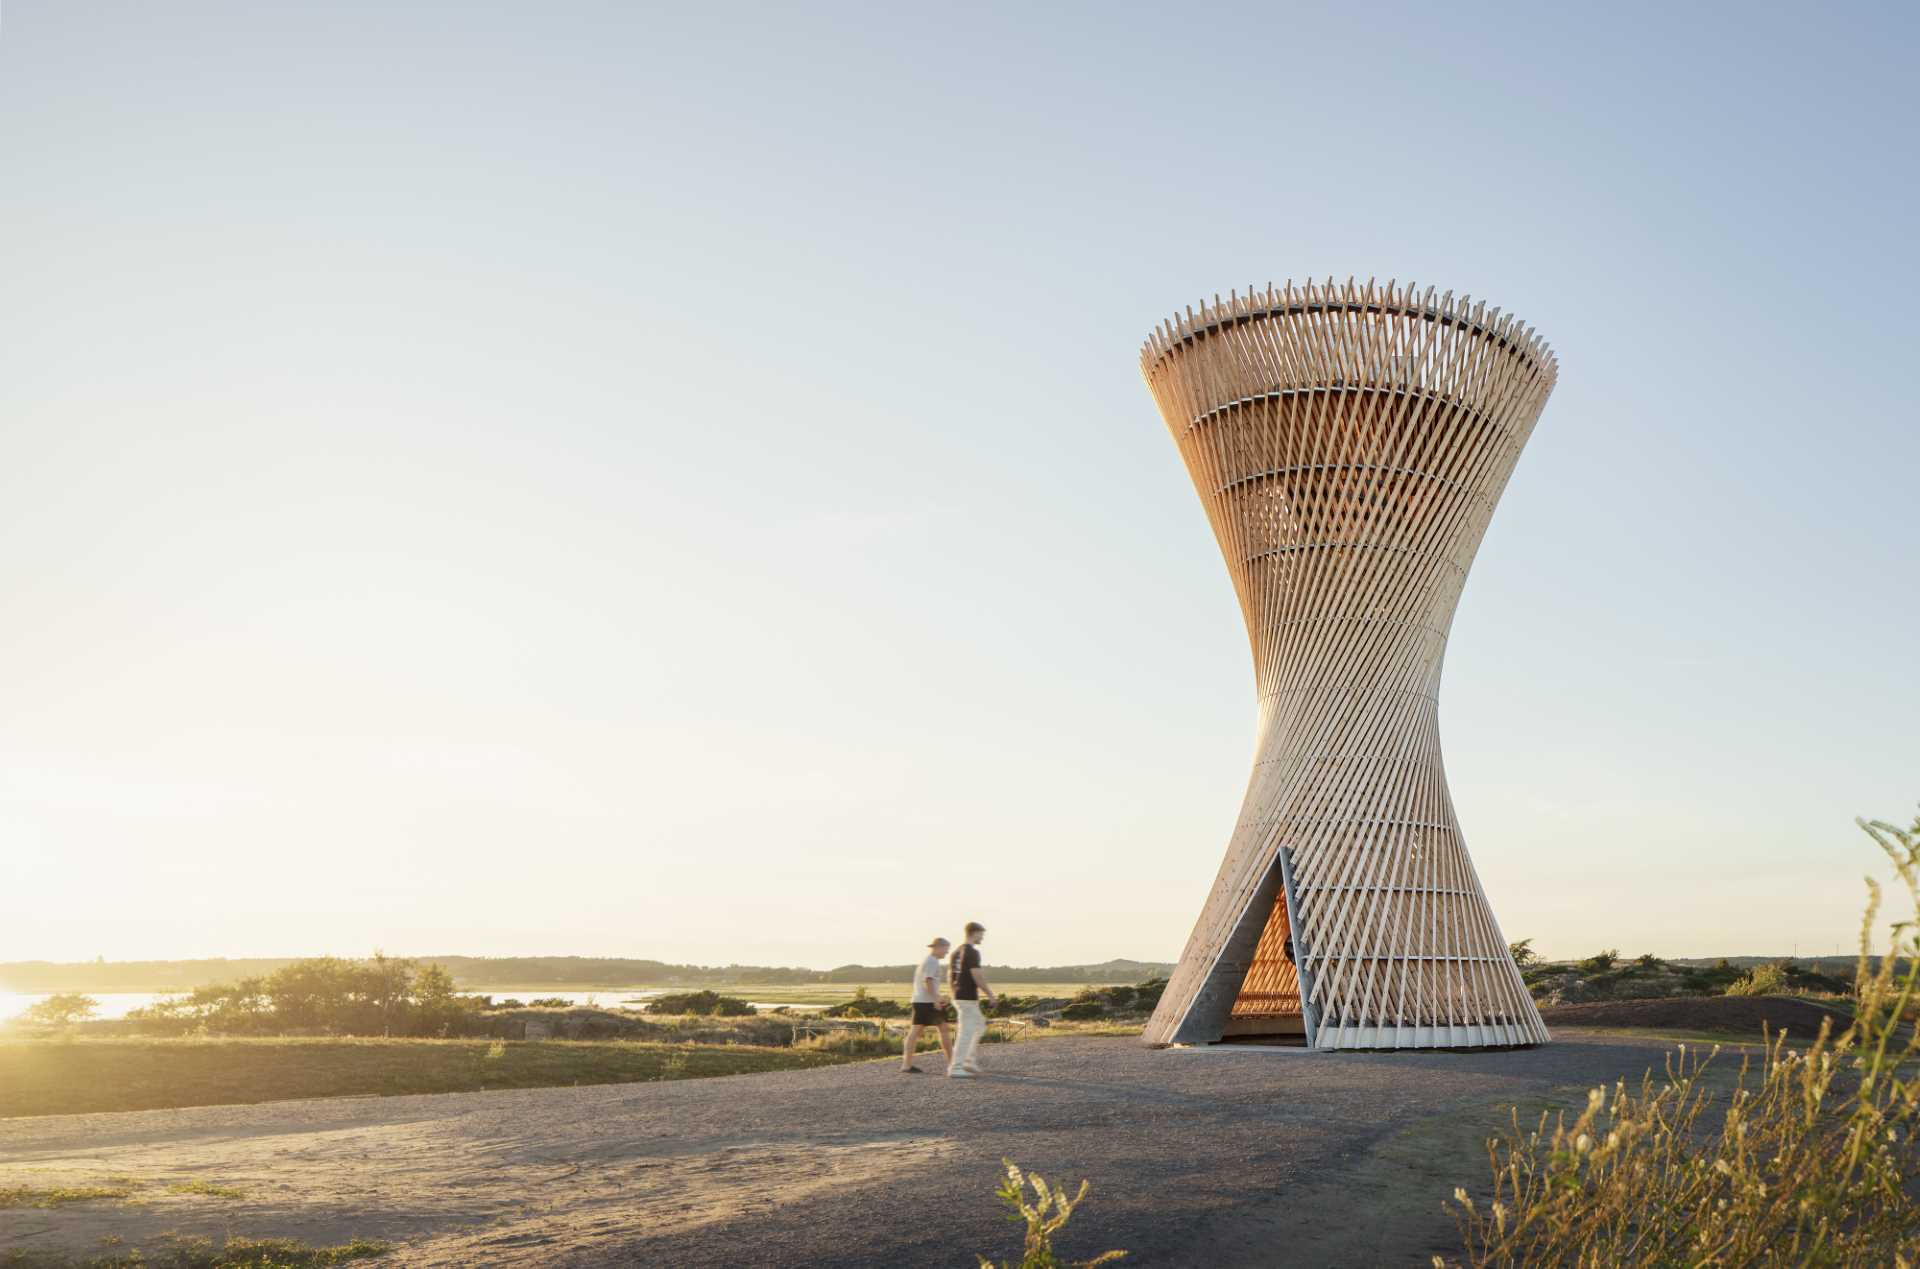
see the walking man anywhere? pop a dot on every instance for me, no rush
(969, 984)
(929, 1007)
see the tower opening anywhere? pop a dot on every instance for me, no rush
(1269, 1006)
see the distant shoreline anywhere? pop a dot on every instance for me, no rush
(537, 974)
(533, 974)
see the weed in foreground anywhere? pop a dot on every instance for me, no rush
(1044, 1217)
(1813, 1162)
(23, 1196)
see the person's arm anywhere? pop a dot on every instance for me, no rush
(933, 985)
(980, 981)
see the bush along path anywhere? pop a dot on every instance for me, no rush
(1812, 1160)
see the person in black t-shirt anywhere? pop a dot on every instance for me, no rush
(969, 983)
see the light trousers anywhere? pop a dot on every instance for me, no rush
(973, 1025)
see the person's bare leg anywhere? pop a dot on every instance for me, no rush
(946, 1041)
(907, 1046)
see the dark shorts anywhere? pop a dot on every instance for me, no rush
(925, 1015)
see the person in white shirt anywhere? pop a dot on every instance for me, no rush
(929, 1006)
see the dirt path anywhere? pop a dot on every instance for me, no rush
(1220, 1157)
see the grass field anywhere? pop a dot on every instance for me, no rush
(67, 1077)
(832, 993)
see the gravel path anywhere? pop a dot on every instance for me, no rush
(1216, 1157)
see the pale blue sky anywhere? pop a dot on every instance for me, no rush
(676, 481)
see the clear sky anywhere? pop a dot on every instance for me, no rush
(675, 481)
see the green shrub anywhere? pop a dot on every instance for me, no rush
(702, 1004)
(1601, 962)
(1044, 1217)
(1761, 980)
(863, 1005)
(1005, 1006)
(1812, 1160)
(854, 1042)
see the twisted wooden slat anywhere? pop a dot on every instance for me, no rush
(1349, 443)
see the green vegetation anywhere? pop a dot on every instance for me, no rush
(534, 973)
(23, 1196)
(113, 1187)
(200, 1253)
(1607, 975)
(702, 1004)
(382, 996)
(1761, 980)
(1121, 1001)
(864, 1004)
(206, 1189)
(61, 1010)
(1044, 1217)
(40, 1078)
(1105, 1003)
(854, 1043)
(1812, 1160)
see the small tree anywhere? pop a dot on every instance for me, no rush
(227, 1006)
(62, 1009)
(315, 992)
(1522, 953)
(435, 998)
(1601, 962)
(386, 982)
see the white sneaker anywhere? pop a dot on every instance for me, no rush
(960, 1073)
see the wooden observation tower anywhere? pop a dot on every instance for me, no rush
(1349, 444)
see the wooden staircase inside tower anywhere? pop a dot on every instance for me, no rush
(1267, 1010)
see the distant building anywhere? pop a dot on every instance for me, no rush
(1349, 444)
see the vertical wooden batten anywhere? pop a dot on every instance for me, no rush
(1349, 443)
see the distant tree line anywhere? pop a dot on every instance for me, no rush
(523, 972)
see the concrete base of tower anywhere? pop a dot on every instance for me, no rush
(1454, 1036)
(1292, 1033)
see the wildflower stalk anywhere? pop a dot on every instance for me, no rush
(1044, 1217)
(1808, 1160)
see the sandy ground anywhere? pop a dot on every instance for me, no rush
(1217, 1157)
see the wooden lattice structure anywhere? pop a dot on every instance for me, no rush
(1349, 443)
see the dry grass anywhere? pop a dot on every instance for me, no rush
(55, 1077)
(1810, 1160)
(28, 1196)
(201, 1253)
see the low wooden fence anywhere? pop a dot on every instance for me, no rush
(806, 1028)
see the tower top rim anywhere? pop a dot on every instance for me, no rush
(1291, 299)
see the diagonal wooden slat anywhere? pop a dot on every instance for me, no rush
(1349, 443)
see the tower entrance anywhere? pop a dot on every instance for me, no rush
(1269, 1006)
